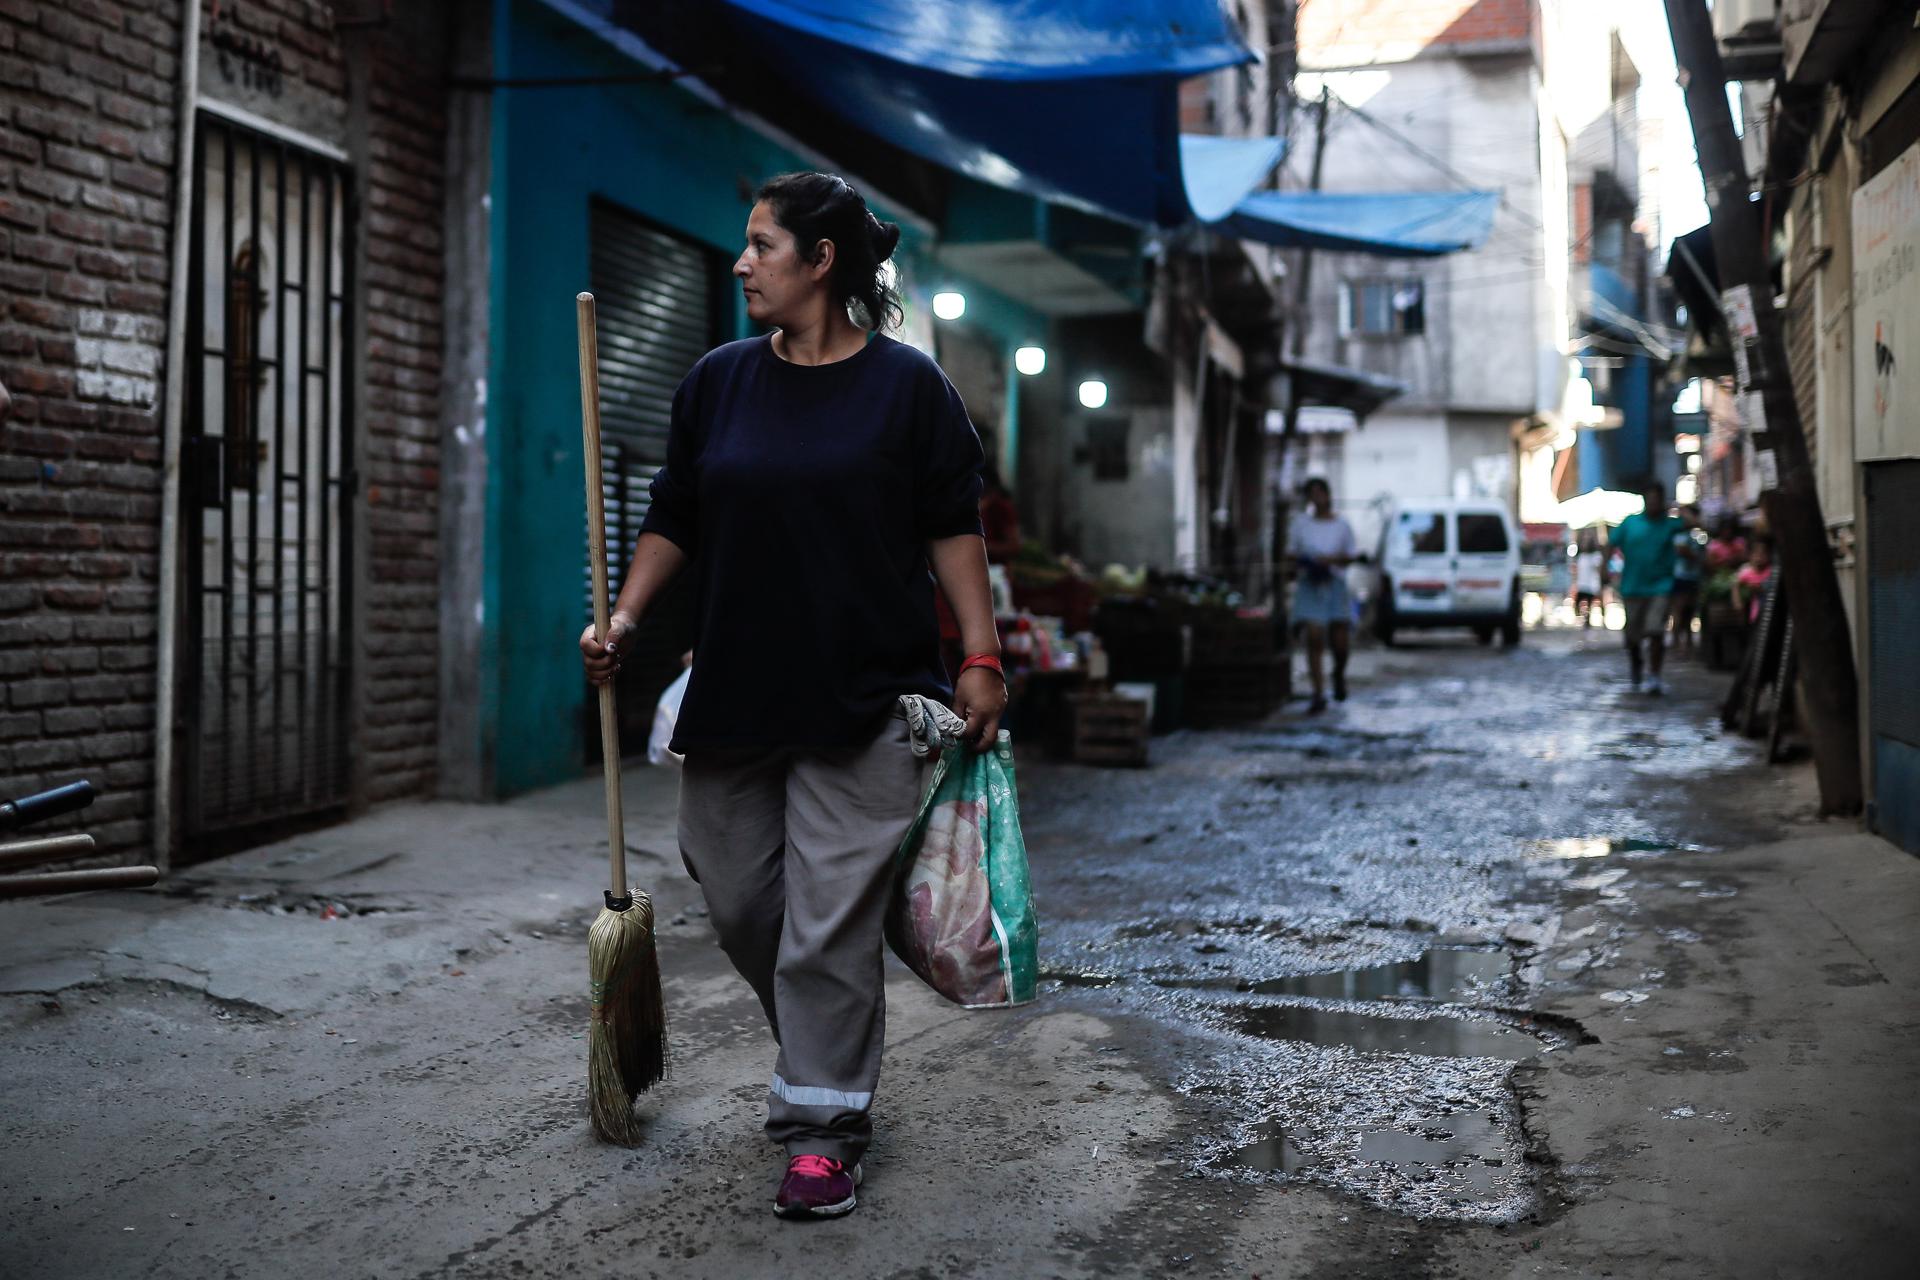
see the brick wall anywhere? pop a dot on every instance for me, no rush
(1356, 32)
(87, 138)
(400, 642)
(1581, 198)
(1197, 113)
(87, 148)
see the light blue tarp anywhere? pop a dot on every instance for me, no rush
(1219, 172)
(1073, 101)
(1388, 225)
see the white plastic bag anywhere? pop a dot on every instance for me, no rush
(665, 714)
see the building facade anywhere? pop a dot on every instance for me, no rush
(1534, 100)
(223, 334)
(1833, 88)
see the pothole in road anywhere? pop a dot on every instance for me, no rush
(1320, 773)
(323, 906)
(1444, 973)
(1372, 1033)
(1460, 1154)
(1345, 744)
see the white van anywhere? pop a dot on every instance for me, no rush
(1448, 562)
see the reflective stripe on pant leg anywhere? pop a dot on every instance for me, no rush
(805, 1095)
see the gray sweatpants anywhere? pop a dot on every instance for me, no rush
(794, 850)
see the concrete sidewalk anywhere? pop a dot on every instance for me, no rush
(1750, 1107)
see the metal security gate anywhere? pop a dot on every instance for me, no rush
(656, 295)
(1892, 491)
(265, 485)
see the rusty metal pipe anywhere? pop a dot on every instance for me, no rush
(31, 853)
(77, 881)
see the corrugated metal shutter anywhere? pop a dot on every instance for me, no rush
(655, 294)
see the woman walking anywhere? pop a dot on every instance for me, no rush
(819, 479)
(1322, 545)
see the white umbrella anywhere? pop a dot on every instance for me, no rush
(1600, 506)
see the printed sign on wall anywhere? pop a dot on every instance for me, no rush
(1886, 311)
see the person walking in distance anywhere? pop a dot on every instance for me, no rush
(1321, 546)
(1689, 553)
(1646, 543)
(819, 479)
(1589, 577)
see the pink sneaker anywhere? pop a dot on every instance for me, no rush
(816, 1187)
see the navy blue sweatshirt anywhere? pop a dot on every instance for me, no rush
(806, 496)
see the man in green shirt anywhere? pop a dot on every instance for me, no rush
(1646, 580)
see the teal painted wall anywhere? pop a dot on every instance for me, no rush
(654, 149)
(660, 152)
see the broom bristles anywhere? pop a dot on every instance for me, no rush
(627, 1038)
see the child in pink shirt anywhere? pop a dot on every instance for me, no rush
(1750, 583)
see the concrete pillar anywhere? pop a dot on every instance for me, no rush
(466, 739)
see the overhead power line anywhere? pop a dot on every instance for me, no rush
(1436, 161)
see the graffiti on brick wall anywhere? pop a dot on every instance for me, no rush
(245, 59)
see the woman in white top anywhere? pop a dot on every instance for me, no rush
(1321, 546)
(1589, 577)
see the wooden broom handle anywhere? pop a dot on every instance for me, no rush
(597, 559)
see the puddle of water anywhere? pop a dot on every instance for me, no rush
(1273, 1150)
(1593, 847)
(1428, 1037)
(1445, 973)
(1463, 1150)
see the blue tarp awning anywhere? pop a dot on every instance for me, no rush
(1023, 39)
(1219, 172)
(1073, 101)
(1414, 224)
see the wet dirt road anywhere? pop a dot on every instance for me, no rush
(1339, 916)
(1347, 941)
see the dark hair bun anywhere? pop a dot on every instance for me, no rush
(820, 206)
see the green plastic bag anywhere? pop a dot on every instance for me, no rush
(961, 914)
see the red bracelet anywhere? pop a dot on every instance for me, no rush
(982, 660)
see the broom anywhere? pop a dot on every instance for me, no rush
(627, 1039)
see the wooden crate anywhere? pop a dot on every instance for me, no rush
(1237, 694)
(1108, 729)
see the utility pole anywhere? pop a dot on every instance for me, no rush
(1303, 286)
(1296, 347)
(1792, 504)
